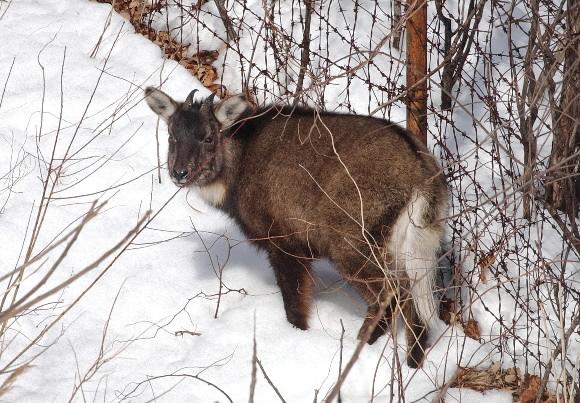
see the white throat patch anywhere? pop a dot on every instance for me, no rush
(213, 193)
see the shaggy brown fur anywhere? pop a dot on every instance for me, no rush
(304, 185)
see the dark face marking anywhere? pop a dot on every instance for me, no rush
(195, 155)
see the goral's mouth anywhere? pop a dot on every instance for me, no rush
(198, 179)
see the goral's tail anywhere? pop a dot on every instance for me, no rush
(415, 243)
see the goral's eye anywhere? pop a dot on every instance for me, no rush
(208, 140)
(172, 140)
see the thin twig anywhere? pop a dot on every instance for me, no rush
(270, 381)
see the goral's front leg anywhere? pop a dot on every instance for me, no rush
(295, 282)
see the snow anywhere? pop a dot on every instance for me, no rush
(468, 395)
(150, 316)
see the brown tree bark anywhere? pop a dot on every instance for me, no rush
(562, 189)
(417, 68)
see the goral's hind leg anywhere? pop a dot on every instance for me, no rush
(388, 290)
(415, 332)
(295, 282)
(375, 287)
(383, 324)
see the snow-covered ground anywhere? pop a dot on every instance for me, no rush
(153, 322)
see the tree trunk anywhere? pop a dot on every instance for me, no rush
(417, 68)
(562, 189)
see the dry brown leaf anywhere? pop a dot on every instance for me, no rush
(136, 3)
(124, 14)
(487, 260)
(474, 379)
(480, 379)
(530, 389)
(448, 311)
(163, 36)
(471, 329)
(492, 378)
(219, 90)
(209, 76)
(509, 380)
(207, 56)
(512, 376)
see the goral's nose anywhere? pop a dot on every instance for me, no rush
(179, 175)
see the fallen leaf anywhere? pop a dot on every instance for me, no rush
(219, 90)
(487, 260)
(471, 329)
(530, 389)
(512, 376)
(448, 311)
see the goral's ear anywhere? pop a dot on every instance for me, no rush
(161, 103)
(232, 110)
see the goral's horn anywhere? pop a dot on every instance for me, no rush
(207, 104)
(189, 100)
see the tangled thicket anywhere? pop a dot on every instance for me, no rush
(503, 118)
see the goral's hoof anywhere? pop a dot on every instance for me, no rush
(298, 321)
(415, 356)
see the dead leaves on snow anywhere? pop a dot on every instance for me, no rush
(139, 12)
(524, 389)
(487, 379)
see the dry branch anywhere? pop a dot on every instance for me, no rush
(305, 58)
